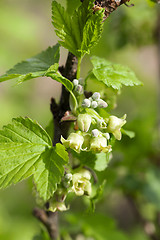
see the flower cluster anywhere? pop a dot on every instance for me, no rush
(94, 101)
(79, 183)
(93, 131)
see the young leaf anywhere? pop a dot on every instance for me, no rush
(59, 78)
(79, 32)
(25, 150)
(36, 66)
(72, 5)
(113, 75)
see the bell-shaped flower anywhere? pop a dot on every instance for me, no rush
(74, 141)
(84, 122)
(99, 144)
(115, 124)
(81, 183)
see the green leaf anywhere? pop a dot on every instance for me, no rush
(25, 150)
(98, 162)
(59, 78)
(128, 133)
(79, 32)
(96, 226)
(50, 129)
(97, 196)
(151, 187)
(113, 75)
(72, 5)
(36, 66)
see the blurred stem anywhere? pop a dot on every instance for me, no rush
(158, 48)
(78, 68)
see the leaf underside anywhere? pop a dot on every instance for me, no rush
(25, 150)
(36, 66)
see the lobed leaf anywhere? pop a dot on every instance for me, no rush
(113, 75)
(36, 66)
(25, 150)
(79, 32)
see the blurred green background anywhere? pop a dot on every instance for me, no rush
(131, 202)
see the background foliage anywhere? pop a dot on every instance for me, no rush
(132, 185)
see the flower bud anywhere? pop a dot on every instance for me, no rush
(102, 104)
(57, 206)
(79, 89)
(86, 103)
(84, 122)
(74, 141)
(106, 135)
(95, 132)
(81, 81)
(66, 180)
(81, 183)
(96, 96)
(99, 144)
(94, 104)
(75, 82)
(115, 124)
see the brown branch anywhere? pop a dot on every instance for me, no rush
(47, 218)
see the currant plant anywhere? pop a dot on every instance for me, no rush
(84, 128)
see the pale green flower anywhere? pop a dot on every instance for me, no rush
(74, 141)
(115, 124)
(99, 144)
(81, 183)
(84, 122)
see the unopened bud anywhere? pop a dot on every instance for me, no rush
(75, 82)
(81, 81)
(94, 104)
(106, 135)
(68, 176)
(96, 96)
(95, 132)
(84, 122)
(102, 104)
(79, 89)
(86, 103)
